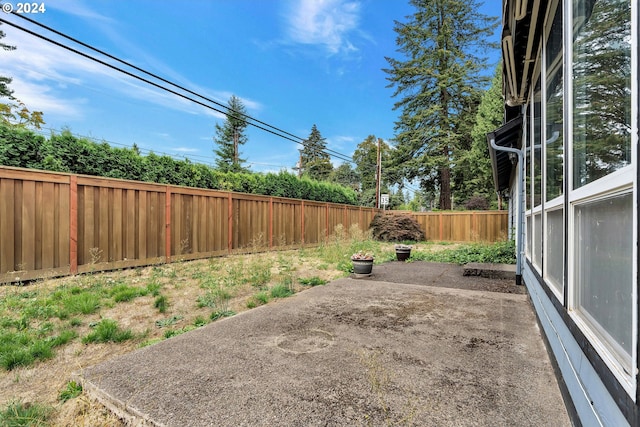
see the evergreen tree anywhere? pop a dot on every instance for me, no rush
(230, 136)
(473, 169)
(315, 161)
(435, 82)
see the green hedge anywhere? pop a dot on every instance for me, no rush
(67, 153)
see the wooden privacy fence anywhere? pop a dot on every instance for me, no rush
(464, 226)
(54, 224)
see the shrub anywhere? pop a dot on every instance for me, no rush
(477, 203)
(391, 227)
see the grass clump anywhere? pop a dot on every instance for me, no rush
(86, 302)
(281, 291)
(107, 331)
(259, 298)
(124, 293)
(312, 281)
(161, 303)
(23, 348)
(25, 414)
(71, 391)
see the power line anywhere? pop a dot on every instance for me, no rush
(229, 112)
(193, 157)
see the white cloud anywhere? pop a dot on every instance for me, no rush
(324, 22)
(185, 150)
(56, 81)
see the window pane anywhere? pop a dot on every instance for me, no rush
(604, 282)
(529, 248)
(601, 88)
(537, 240)
(537, 146)
(554, 257)
(554, 146)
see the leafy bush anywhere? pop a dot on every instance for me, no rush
(67, 153)
(390, 227)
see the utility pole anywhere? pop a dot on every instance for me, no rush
(378, 174)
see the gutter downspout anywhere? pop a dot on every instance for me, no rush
(520, 211)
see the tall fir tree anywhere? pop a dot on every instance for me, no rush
(473, 168)
(436, 82)
(230, 136)
(315, 161)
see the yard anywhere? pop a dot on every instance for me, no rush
(54, 327)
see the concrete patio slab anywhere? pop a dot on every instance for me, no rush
(352, 352)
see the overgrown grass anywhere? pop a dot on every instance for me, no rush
(34, 322)
(500, 252)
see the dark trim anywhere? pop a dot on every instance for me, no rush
(625, 403)
(508, 135)
(564, 390)
(637, 239)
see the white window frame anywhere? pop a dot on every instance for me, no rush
(616, 183)
(557, 202)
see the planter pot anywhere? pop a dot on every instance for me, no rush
(362, 266)
(403, 254)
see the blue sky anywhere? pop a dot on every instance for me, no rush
(293, 63)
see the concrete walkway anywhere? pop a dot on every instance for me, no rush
(352, 352)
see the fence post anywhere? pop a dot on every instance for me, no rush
(327, 220)
(230, 226)
(302, 225)
(441, 224)
(167, 224)
(270, 223)
(73, 224)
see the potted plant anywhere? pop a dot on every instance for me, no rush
(362, 262)
(403, 252)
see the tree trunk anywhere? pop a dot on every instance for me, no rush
(445, 188)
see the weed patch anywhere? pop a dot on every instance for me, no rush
(71, 391)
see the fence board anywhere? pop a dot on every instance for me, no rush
(28, 229)
(7, 221)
